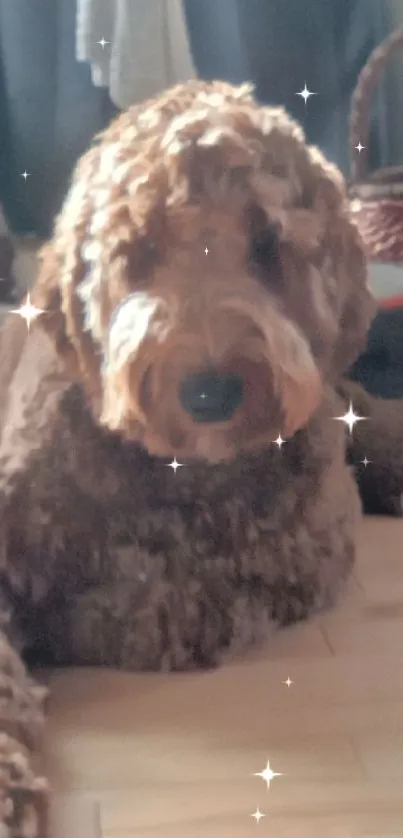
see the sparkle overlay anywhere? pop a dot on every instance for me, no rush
(102, 43)
(359, 147)
(279, 441)
(267, 774)
(28, 312)
(206, 251)
(305, 93)
(288, 682)
(25, 174)
(365, 462)
(258, 815)
(175, 465)
(350, 418)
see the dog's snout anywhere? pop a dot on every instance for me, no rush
(211, 396)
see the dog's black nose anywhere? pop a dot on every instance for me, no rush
(211, 397)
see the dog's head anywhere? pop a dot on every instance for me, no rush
(205, 278)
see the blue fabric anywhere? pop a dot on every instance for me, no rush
(380, 368)
(49, 109)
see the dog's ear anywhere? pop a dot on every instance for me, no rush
(357, 305)
(62, 317)
(343, 264)
(47, 296)
(62, 270)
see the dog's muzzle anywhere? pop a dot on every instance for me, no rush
(211, 396)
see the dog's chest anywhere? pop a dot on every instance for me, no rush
(106, 508)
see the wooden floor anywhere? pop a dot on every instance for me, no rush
(174, 756)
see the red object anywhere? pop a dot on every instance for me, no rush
(391, 302)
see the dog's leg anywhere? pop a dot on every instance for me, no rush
(23, 792)
(29, 389)
(375, 449)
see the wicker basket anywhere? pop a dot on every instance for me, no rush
(377, 198)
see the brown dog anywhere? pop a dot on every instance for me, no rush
(204, 292)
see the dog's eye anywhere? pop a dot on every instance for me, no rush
(141, 257)
(264, 250)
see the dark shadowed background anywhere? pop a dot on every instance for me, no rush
(49, 109)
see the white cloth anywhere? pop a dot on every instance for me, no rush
(147, 46)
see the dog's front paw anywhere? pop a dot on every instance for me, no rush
(23, 795)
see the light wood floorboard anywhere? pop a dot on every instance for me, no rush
(173, 756)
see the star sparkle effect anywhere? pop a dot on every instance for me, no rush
(359, 148)
(25, 174)
(305, 94)
(102, 43)
(206, 251)
(28, 312)
(267, 774)
(350, 418)
(365, 462)
(258, 815)
(174, 465)
(279, 441)
(288, 682)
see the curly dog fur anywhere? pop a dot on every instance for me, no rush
(204, 291)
